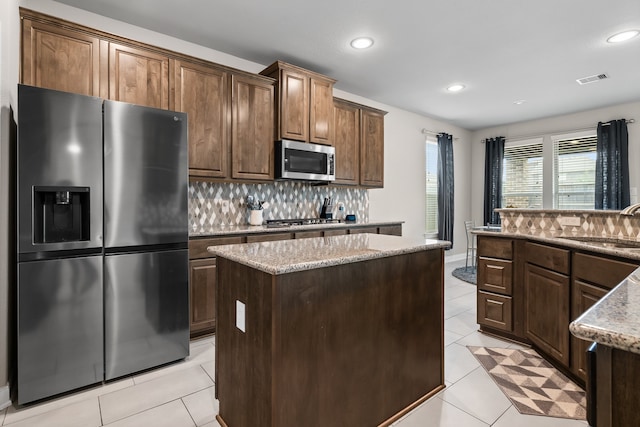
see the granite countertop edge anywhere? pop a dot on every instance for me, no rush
(218, 231)
(226, 251)
(606, 322)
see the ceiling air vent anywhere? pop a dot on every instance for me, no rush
(591, 79)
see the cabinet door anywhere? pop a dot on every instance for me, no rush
(495, 311)
(321, 111)
(252, 129)
(138, 76)
(202, 296)
(372, 149)
(294, 106)
(495, 275)
(60, 59)
(347, 142)
(546, 303)
(584, 296)
(202, 92)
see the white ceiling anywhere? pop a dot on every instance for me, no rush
(502, 50)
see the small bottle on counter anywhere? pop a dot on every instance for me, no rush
(340, 211)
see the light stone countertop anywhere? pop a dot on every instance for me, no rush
(614, 321)
(224, 230)
(287, 256)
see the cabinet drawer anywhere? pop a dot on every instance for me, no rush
(268, 237)
(198, 247)
(495, 311)
(339, 232)
(392, 230)
(307, 234)
(370, 230)
(548, 257)
(495, 247)
(600, 271)
(495, 275)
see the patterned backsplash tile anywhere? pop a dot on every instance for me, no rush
(217, 204)
(592, 223)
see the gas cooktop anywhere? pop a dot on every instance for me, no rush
(273, 223)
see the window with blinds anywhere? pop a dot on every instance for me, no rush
(574, 165)
(431, 199)
(522, 176)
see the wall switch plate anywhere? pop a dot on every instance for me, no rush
(240, 316)
(570, 221)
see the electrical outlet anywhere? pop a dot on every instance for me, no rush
(570, 221)
(225, 206)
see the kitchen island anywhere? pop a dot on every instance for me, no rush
(614, 324)
(342, 330)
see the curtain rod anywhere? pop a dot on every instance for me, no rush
(515, 138)
(430, 132)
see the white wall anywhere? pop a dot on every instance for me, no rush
(553, 126)
(9, 45)
(403, 195)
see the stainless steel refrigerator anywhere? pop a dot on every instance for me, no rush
(102, 288)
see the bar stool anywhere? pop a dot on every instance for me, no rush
(471, 244)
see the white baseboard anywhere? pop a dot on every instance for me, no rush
(5, 399)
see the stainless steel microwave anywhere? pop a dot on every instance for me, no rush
(303, 161)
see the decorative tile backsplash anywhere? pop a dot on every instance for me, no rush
(217, 204)
(591, 223)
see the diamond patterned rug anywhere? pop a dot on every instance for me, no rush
(532, 384)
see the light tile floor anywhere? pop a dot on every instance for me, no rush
(182, 394)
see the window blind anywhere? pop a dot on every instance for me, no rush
(431, 199)
(574, 165)
(522, 176)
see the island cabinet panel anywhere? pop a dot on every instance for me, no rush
(252, 147)
(391, 230)
(495, 275)
(592, 277)
(202, 92)
(356, 344)
(495, 310)
(372, 148)
(547, 311)
(138, 76)
(616, 391)
(61, 58)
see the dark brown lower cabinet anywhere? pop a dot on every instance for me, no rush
(495, 311)
(546, 317)
(357, 344)
(202, 296)
(617, 395)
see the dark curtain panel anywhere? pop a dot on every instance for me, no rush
(493, 157)
(612, 165)
(445, 187)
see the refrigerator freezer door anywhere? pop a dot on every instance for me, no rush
(146, 310)
(60, 325)
(59, 146)
(146, 176)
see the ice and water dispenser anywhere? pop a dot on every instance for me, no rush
(60, 214)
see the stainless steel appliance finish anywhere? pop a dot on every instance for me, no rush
(60, 344)
(147, 310)
(304, 161)
(146, 236)
(60, 145)
(146, 176)
(63, 261)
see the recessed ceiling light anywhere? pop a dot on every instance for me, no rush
(519, 101)
(623, 37)
(455, 87)
(362, 43)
